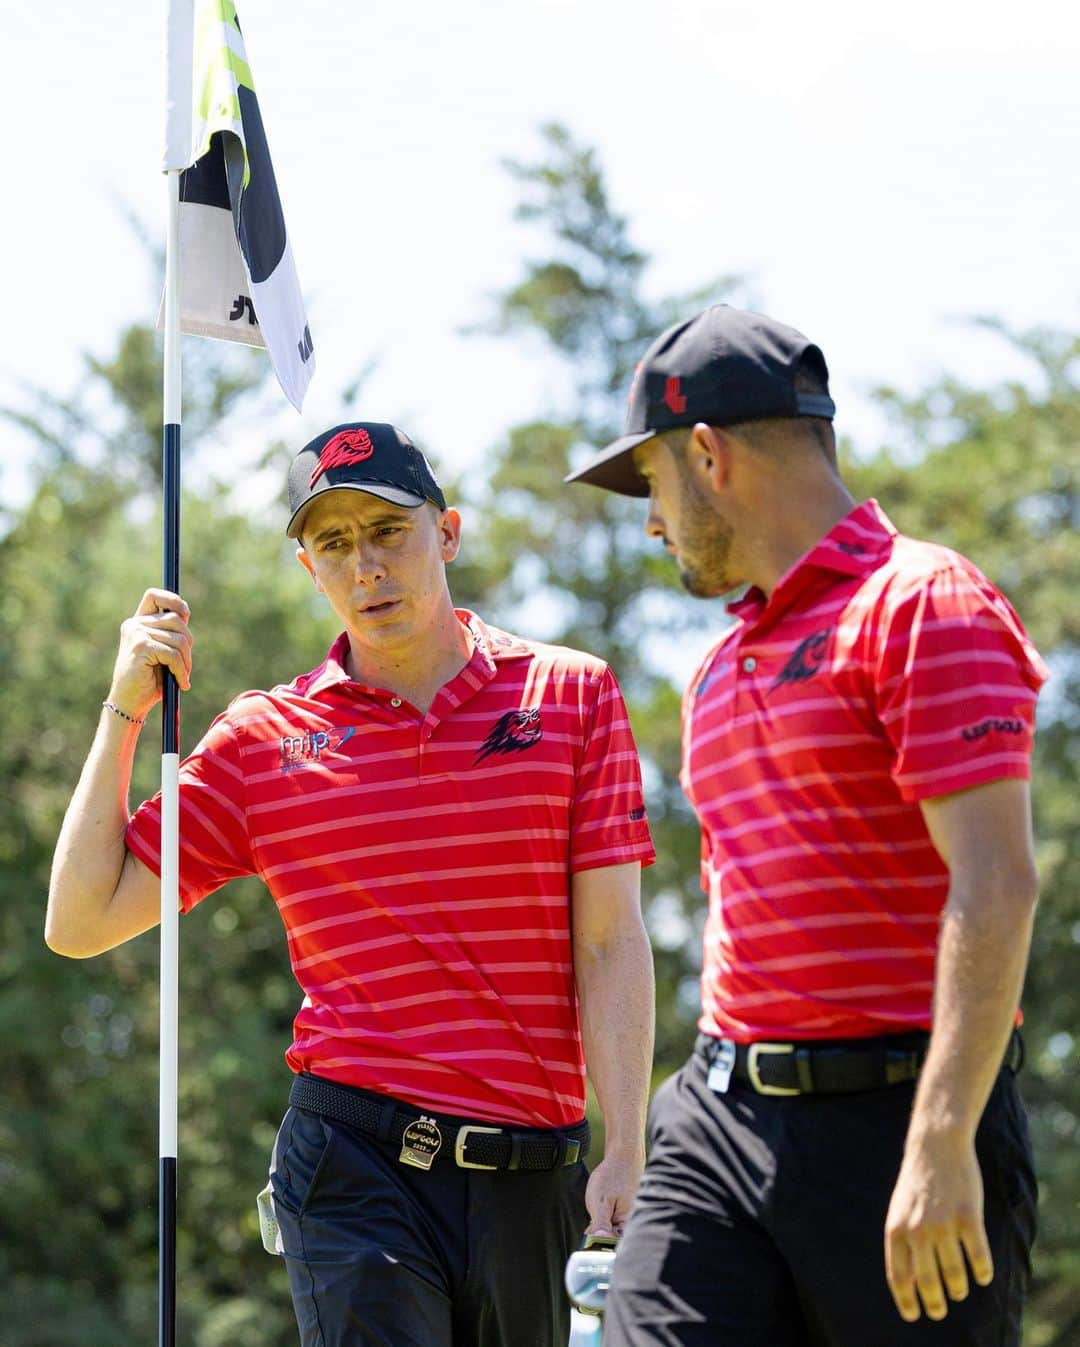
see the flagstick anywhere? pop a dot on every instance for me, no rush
(170, 767)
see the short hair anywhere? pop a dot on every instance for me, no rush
(774, 434)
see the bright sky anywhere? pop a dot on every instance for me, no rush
(878, 172)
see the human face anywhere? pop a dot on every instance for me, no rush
(381, 566)
(683, 515)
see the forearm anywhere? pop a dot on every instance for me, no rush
(617, 1000)
(982, 954)
(90, 850)
(934, 1229)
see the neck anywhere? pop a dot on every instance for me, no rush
(416, 670)
(807, 513)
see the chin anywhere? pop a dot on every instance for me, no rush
(702, 587)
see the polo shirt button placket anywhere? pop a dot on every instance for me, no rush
(423, 741)
(749, 664)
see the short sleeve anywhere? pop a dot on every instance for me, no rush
(214, 844)
(608, 822)
(956, 681)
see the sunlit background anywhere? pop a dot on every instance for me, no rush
(878, 174)
(886, 178)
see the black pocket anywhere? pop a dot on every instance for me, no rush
(302, 1148)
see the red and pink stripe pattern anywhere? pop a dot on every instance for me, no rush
(882, 671)
(422, 865)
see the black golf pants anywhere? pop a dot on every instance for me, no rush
(380, 1254)
(760, 1222)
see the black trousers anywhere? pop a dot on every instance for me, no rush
(760, 1222)
(380, 1254)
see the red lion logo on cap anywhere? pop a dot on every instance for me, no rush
(348, 446)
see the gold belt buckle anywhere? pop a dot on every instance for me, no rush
(459, 1145)
(756, 1050)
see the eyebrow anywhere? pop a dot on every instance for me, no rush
(336, 530)
(331, 532)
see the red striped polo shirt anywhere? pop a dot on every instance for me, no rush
(422, 865)
(880, 672)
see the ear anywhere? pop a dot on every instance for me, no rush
(709, 455)
(305, 561)
(449, 525)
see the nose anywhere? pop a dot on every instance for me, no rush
(654, 525)
(370, 569)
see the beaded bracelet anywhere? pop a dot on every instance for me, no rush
(135, 720)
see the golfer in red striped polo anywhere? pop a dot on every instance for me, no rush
(450, 821)
(844, 1161)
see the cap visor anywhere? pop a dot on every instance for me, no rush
(613, 467)
(393, 495)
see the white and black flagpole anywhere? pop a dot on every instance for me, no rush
(234, 238)
(170, 768)
(179, 34)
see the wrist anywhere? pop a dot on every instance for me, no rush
(941, 1129)
(629, 1149)
(112, 708)
(948, 1104)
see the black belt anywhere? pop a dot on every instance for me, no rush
(837, 1067)
(422, 1134)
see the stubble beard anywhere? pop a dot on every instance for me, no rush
(704, 547)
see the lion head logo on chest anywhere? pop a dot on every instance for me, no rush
(512, 733)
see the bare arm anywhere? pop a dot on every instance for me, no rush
(936, 1214)
(614, 972)
(99, 894)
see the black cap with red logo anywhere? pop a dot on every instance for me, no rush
(369, 456)
(722, 366)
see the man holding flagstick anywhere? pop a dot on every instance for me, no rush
(450, 820)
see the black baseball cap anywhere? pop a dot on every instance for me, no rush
(722, 366)
(369, 456)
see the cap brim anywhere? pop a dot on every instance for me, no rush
(613, 467)
(393, 495)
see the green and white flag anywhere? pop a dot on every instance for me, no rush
(238, 281)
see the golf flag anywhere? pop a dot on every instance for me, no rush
(238, 281)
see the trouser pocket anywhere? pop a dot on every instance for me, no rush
(301, 1150)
